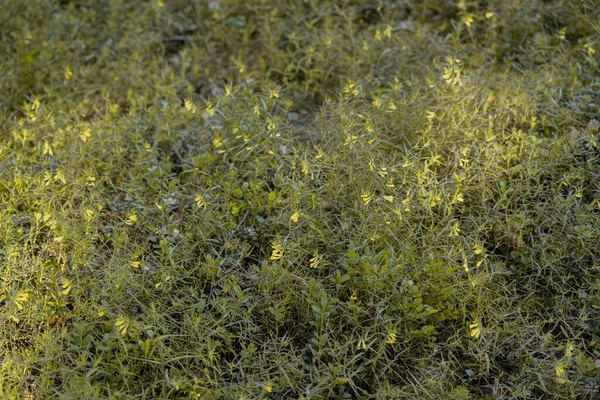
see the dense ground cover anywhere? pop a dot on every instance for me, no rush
(285, 199)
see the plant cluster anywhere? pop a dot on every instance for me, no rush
(281, 199)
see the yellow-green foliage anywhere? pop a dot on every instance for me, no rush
(299, 199)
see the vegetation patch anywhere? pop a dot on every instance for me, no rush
(299, 199)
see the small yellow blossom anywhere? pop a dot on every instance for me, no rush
(20, 299)
(273, 93)
(85, 134)
(475, 330)
(66, 286)
(304, 167)
(47, 149)
(295, 216)
(455, 229)
(361, 344)
(277, 252)
(189, 105)
(314, 261)
(388, 32)
(200, 201)
(468, 19)
(131, 219)
(210, 108)
(122, 324)
(366, 198)
(561, 373)
(391, 337)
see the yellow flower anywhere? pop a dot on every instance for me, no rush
(277, 252)
(589, 49)
(68, 73)
(122, 324)
(20, 299)
(378, 35)
(388, 32)
(210, 109)
(366, 198)
(475, 330)
(560, 373)
(189, 105)
(320, 154)
(131, 219)
(361, 345)
(314, 261)
(349, 89)
(468, 19)
(391, 337)
(304, 167)
(569, 350)
(273, 93)
(268, 388)
(47, 149)
(85, 134)
(59, 176)
(295, 216)
(200, 201)
(35, 105)
(389, 198)
(455, 229)
(66, 285)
